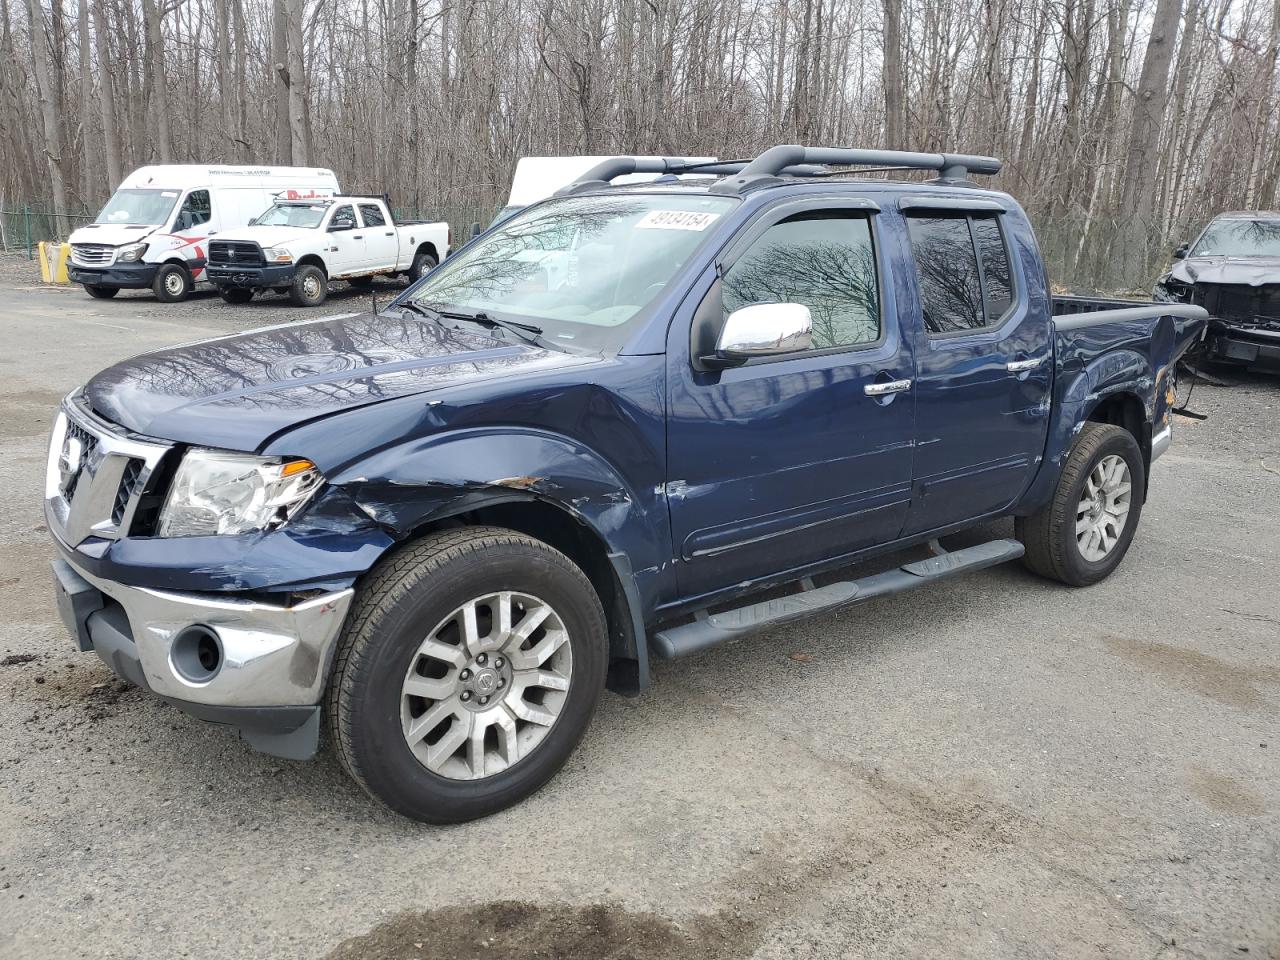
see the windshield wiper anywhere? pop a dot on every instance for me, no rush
(527, 332)
(428, 312)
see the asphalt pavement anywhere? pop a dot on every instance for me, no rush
(999, 768)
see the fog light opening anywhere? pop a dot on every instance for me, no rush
(196, 654)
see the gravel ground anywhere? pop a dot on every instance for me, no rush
(1001, 768)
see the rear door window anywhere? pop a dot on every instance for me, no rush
(963, 269)
(371, 215)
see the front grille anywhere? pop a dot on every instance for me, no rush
(97, 476)
(1236, 303)
(93, 254)
(238, 253)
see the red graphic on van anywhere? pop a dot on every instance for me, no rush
(298, 195)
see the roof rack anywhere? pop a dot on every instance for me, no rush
(786, 160)
(607, 170)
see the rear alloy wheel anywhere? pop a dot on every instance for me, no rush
(468, 671)
(172, 283)
(101, 293)
(1083, 533)
(235, 294)
(310, 286)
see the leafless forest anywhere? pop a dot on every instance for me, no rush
(1123, 123)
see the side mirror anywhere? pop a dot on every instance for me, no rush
(253, 221)
(1182, 251)
(339, 227)
(765, 330)
(475, 229)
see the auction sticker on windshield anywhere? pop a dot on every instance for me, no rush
(675, 220)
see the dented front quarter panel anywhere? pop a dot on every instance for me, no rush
(411, 462)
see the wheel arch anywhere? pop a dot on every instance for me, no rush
(427, 246)
(1126, 409)
(313, 260)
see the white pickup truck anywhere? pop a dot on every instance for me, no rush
(298, 246)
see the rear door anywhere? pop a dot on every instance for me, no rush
(790, 460)
(380, 246)
(983, 360)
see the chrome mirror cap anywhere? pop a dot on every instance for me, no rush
(765, 330)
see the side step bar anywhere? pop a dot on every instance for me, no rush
(710, 629)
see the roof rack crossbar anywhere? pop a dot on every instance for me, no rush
(607, 170)
(775, 161)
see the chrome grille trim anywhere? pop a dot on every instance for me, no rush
(100, 496)
(93, 254)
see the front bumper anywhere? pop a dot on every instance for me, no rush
(249, 277)
(127, 276)
(1252, 346)
(271, 662)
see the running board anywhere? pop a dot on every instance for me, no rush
(711, 629)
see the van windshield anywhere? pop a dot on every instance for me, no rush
(306, 215)
(580, 268)
(141, 208)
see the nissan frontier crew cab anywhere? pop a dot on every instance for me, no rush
(444, 528)
(298, 246)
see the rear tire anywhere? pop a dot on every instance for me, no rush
(101, 293)
(394, 671)
(172, 283)
(1083, 533)
(235, 294)
(310, 287)
(423, 263)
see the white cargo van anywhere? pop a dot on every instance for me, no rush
(154, 230)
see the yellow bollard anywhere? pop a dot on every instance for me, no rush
(46, 275)
(64, 254)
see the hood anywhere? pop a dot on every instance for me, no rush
(113, 234)
(267, 236)
(236, 392)
(1247, 271)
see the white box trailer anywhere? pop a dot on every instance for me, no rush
(154, 230)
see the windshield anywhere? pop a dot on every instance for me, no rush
(580, 267)
(292, 215)
(148, 208)
(1240, 238)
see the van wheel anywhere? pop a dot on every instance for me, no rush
(309, 288)
(423, 262)
(172, 283)
(235, 294)
(469, 668)
(101, 293)
(364, 283)
(1083, 533)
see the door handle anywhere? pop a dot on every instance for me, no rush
(357, 236)
(881, 389)
(389, 233)
(1018, 366)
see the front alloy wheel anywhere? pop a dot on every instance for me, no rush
(486, 686)
(468, 670)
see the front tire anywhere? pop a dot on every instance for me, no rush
(310, 287)
(468, 671)
(172, 283)
(1083, 533)
(235, 294)
(101, 293)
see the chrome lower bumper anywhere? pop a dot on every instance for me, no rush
(268, 656)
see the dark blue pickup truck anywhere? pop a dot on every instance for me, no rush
(628, 422)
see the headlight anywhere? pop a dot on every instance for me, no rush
(278, 255)
(131, 253)
(228, 493)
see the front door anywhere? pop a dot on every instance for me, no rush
(380, 246)
(345, 252)
(983, 363)
(786, 461)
